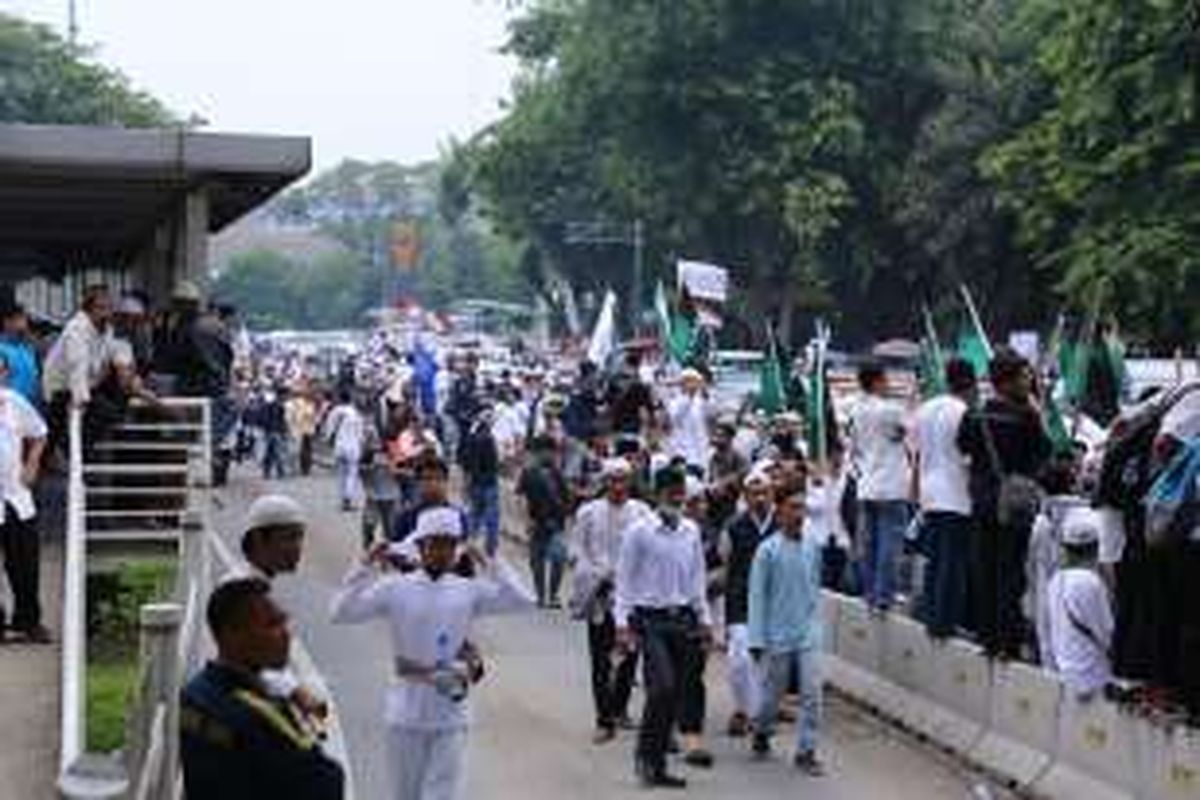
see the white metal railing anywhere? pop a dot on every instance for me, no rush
(170, 633)
(74, 634)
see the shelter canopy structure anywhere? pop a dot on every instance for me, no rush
(139, 203)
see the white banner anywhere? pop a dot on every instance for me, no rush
(704, 281)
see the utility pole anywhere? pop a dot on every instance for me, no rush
(72, 23)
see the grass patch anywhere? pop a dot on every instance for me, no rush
(114, 599)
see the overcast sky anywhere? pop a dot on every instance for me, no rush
(371, 79)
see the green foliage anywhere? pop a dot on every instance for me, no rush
(114, 600)
(1103, 181)
(783, 139)
(43, 79)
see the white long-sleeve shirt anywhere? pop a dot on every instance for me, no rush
(1078, 598)
(76, 361)
(596, 535)
(420, 611)
(660, 567)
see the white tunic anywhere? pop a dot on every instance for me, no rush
(1081, 629)
(661, 568)
(689, 429)
(419, 611)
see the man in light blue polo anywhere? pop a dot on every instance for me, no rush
(785, 627)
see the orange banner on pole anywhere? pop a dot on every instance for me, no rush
(405, 245)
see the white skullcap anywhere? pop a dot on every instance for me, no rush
(272, 510)
(130, 305)
(438, 521)
(1081, 526)
(615, 468)
(187, 291)
(691, 373)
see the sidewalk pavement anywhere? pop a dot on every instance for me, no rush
(29, 695)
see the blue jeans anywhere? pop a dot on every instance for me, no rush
(777, 670)
(944, 600)
(882, 524)
(547, 554)
(485, 513)
(274, 456)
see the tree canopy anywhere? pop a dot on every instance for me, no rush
(855, 158)
(44, 79)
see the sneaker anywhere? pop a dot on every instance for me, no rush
(739, 725)
(761, 746)
(809, 764)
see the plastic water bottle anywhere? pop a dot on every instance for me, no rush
(448, 680)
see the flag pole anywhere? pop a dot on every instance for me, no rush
(976, 321)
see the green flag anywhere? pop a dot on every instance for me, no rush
(817, 408)
(973, 342)
(932, 366)
(772, 395)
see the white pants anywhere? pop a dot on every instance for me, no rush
(426, 765)
(744, 678)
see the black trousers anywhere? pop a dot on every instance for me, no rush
(693, 700)
(999, 583)
(306, 454)
(611, 683)
(671, 647)
(22, 548)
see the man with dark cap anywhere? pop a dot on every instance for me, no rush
(237, 742)
(661, 609)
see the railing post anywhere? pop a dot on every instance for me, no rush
(160, 624)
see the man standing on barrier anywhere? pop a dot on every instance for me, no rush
(661, 609)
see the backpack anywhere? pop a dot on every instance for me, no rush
(1173, 502)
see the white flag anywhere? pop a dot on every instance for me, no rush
(604, 335)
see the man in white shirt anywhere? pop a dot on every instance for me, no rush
(22, 439)
(942, 488)
(77, 360)
(661, 609)
(429, 613)
(687, 414)
(344, 427)
(600, 525)
(1081, 618)
(880, 458)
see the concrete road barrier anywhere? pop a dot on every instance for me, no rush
(1170, 765)
(1097, 756)
(1022, 739)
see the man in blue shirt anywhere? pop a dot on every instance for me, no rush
(24, 375)
(785, 627)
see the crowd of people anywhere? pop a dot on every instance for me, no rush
(671, 528)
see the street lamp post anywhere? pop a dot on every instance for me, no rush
(602, 232)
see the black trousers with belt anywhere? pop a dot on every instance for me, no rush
(672, 650)
(611, 683)
(22, 547)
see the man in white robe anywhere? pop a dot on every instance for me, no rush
(429, 612)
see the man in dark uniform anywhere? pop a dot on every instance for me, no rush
(238, 742)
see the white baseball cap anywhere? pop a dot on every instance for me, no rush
(1081, 526)
(438, 521)
(274, 510)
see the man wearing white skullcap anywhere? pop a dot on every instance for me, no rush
(598, 528)
(429, 613)
(688, 414)
(1081, 619)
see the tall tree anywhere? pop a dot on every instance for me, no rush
(44, 79)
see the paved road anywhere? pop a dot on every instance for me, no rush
(533, 718)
